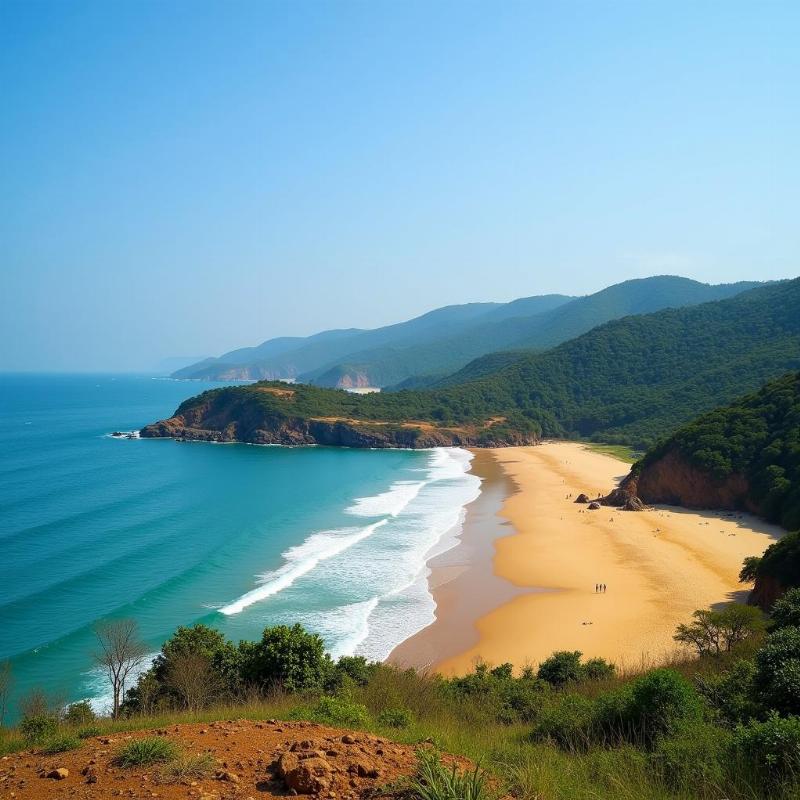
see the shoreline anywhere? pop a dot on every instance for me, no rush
(520, 583)
(461, 580)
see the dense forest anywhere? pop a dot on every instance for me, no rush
(757, 437)
(631, 381)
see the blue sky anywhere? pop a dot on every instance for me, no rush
(180, 178)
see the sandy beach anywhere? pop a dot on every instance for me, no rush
(518, 591)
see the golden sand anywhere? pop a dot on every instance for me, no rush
(659, 566)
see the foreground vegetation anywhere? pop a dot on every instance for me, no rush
(723, 724)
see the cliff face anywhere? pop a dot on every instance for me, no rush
(246, 424)
(674, 481)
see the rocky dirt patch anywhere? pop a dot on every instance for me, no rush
(249, 761)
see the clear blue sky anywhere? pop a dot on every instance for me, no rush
(180, 178)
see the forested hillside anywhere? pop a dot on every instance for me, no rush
(631, 381)
(520, 325)
(756, 438)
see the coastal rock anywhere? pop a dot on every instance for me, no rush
(593, 506)
(582, 498)
(241, 418)
(633, 504)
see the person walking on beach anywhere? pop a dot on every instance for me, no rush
(596, 588)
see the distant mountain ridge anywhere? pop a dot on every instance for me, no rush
(444, 340)
(632, 380)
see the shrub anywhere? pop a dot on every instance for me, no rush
(693, 756)
(561, 668)
(566, 719)
(88, 732)
(38, 728)
(340, 712)
(80, 713)
(770, 748)
(396, 718)
(786, 611)
(434, 781)
(60, 743)
(649, 707)
(731, 694)
(287, 657)
(141, 752)
(597, 669)
(777, 673)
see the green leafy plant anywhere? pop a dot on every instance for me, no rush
(38, 728)
(341, 712)
(434, 781)
(395, 718)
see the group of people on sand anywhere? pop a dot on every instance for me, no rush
(599, 587)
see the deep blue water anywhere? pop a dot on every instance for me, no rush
(173, 533)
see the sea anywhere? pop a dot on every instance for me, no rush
(236, 536)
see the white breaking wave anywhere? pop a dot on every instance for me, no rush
(390, 502)
(300, 560)
(365, 589)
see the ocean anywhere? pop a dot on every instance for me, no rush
(173, 533)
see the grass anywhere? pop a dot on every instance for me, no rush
(467, 727)
(199, 765)
(622, 452)
(60, 743)
(142, 752)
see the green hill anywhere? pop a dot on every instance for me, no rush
(750, 447)
(629, 381)
(526, 324)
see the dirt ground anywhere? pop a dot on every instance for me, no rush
(255, 760)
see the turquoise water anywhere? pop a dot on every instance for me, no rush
(172, 533)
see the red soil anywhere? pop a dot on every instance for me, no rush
(345, 765)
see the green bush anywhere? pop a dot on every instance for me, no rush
(150, 750)
(786, 611)
(88, 732)
(598, 669)
(287, 657)
(561, 668)
(396, 718)
(36, 729)
(731, 694)
(80, 713)
(770, 748)
(60, 743)
(567, 720)
(777, 673)
(693, 756)
(649, 707)
(340, 712)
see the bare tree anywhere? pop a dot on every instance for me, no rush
(193, 679)
(6, 679)
(121, 653)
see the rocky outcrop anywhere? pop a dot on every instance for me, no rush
(672, 480)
